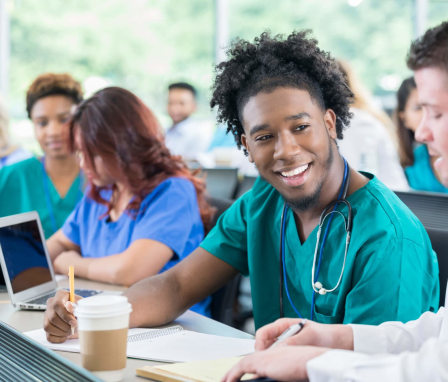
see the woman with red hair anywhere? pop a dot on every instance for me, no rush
(143, 211)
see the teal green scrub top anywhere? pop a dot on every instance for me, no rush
(391, 272)
(420, 175)
(23, 188)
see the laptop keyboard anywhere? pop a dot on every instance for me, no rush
(42, 300)
(80, 292)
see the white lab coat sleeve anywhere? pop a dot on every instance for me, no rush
(395, 337)
(393, 351)
(428, 364)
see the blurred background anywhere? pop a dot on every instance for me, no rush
(144, 45)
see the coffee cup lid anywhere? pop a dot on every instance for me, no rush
(102, 306)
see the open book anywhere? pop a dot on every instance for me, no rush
(170, 344)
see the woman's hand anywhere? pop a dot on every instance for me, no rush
(283, 363)
(59, 318)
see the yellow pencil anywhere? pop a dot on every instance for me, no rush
(71, 278)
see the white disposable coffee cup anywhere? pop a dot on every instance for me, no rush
(103, 323)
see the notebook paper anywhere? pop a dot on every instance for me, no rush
(171, 344)
(198, 371)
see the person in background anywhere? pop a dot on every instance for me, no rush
(369, 143)
(285, 101)
(52, 184)
(187, 136)
(223, 152)
(9, 154)
(393, 351)
(418, 164)
(143, 212)
(407, 116)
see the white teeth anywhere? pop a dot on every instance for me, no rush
(296, 171)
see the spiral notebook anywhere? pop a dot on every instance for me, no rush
(170, 344)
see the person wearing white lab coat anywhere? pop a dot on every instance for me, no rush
(393, 351)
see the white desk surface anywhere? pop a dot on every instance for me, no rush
(28, 320)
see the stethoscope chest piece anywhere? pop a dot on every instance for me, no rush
(318, 286)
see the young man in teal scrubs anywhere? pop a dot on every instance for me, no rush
(396, 352)
(286, 102)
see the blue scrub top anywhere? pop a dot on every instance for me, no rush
(169, 214)
(420, 175)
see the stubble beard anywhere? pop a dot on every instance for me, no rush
(309, 201)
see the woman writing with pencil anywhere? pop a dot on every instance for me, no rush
(143, 211)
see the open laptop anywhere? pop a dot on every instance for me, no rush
(26, 265)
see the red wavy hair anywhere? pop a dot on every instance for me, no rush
(117, 126)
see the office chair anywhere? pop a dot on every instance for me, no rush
(222, 306)
(245, 185)
(223, 300)
(221, 204)
(431, 208)
(221, 182)
(439, 241)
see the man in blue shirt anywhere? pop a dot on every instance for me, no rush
(187, 136)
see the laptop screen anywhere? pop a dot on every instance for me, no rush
(24, 255)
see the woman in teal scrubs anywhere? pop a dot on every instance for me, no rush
(52, 185)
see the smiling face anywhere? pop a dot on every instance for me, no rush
(51, 117)
(432, 85)
(291, 140)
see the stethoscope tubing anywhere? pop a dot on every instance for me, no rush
(326, 213)
(348, 225)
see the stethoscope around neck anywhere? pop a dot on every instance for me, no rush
(328, 213)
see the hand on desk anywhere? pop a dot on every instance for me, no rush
(59, 318)
(283, 363)
(313, 333)
(288, 359)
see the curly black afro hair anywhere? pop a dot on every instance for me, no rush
(271, 62)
